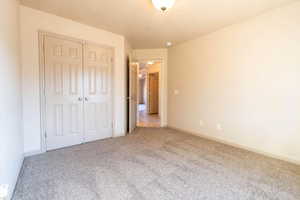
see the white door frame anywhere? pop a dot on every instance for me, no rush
(162, 84)
(41, 36)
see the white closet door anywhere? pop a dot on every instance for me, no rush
(64, 92)
(97, 92)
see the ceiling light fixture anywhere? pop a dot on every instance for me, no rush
(163, 5)
(169, 44)
(150, 62)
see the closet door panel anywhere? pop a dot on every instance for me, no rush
(63, 92)
(97, 92)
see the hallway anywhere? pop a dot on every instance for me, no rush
(147, 120)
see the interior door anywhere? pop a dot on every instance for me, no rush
(133, 80)
(63, 92)
(153, 92)
(97, 92)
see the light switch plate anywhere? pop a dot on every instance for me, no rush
(201, 123)
(219, 127)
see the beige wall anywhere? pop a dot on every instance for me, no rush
(11, 139)
(154, 68)
(245, 77)
(31, 22)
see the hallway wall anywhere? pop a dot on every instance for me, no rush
(142, 89)
(11, 138)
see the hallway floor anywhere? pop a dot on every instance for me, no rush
(147, 120)
(156, 164)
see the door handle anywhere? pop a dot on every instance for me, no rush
(79, 99)
(86, 99)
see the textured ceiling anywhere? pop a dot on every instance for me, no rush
(146, 27)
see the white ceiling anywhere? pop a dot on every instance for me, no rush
(146, 27)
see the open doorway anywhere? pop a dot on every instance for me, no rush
(148, 114)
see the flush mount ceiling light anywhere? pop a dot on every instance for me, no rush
(168, 44)
(163, 5)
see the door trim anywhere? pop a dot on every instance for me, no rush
(41, 37)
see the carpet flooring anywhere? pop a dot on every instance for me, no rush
(156, 164)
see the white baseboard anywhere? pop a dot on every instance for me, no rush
(283, 158)
(33, 153)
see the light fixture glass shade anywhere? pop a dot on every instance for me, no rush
(163, 5)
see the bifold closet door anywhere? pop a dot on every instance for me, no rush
(63, 92)
(97, 92)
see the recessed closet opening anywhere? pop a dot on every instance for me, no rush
(77, 91)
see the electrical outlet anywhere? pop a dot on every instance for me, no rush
(219, 127)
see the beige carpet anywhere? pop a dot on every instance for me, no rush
(156, 164)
